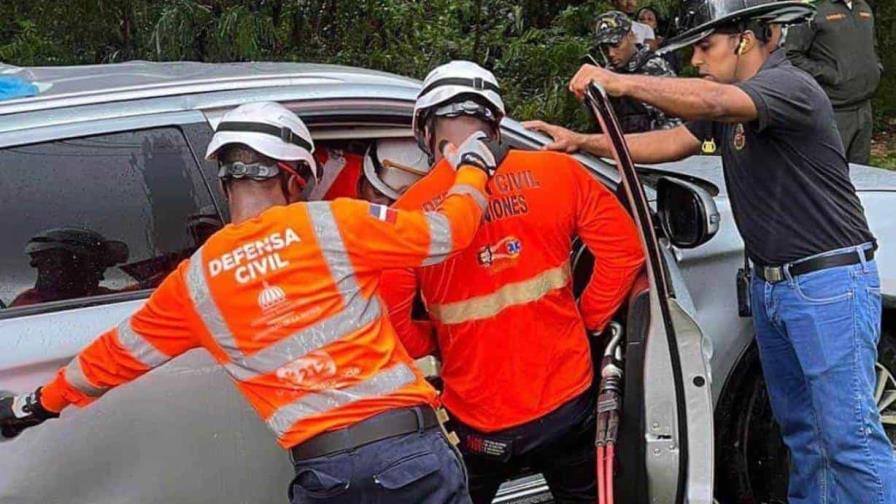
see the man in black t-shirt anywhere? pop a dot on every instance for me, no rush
(815, 290)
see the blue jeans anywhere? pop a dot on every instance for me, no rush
(817, 336)
(421, 467)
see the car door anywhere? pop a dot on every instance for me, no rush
(179, 434)
(677, 402)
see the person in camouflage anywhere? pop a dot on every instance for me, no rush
(616, 42)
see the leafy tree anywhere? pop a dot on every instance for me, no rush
(533, 46)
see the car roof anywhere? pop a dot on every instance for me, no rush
(68, 86)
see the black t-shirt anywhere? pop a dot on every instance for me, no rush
(787, 176)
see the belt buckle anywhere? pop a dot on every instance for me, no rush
(773, 274)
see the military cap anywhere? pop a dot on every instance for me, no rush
(611, 28)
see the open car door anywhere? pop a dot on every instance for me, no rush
(665, 452)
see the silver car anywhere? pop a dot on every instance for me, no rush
(116, 150)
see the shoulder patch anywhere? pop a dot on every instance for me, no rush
(383, 213)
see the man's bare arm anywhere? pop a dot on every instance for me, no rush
(690, 99)
(659, 146)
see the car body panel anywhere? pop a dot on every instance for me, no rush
(126, 82)
(182, 433)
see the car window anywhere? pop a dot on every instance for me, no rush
(98, 215)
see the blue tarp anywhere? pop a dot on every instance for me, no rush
(15, 87)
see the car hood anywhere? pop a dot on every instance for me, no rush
(709, 168)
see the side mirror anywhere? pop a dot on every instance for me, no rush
(687, 212)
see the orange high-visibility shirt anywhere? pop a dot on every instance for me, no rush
(512, 340)
(287, 303)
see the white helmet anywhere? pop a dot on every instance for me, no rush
(267, 128)
(394, 164)
(456, 82)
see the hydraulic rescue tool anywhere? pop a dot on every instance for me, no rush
(609, 411)
(609, 402)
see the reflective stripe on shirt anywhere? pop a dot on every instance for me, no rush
(357, 314)
(440, 241)
(197, 287)
(476, 194)
(512, 294)
(382, 383)
(140, 349)
(74, 375)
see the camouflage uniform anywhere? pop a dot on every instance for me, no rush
(634, 116)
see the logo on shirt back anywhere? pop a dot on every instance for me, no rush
(312, 371)
(317, 370)
(740, 137)
(506, 249)
(270, 297)
(255, 259)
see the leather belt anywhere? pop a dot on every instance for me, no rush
(775, 274)
(383, 426)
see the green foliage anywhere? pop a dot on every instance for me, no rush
(887, 161)
(533, 46)
(885, 100)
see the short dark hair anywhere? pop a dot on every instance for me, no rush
(240, 152)
(762, 31)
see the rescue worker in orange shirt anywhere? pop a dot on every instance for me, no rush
(391, 166)
(517, 368)
(285, 299)
(386, 170)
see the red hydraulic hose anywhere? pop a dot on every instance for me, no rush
(608, 478)
(601, 497)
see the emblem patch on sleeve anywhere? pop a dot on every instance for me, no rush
(383, 213)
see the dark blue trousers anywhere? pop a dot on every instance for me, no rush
(559, 445)
(421, 467)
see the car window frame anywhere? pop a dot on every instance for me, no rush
(184, 122)
(390, 113)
